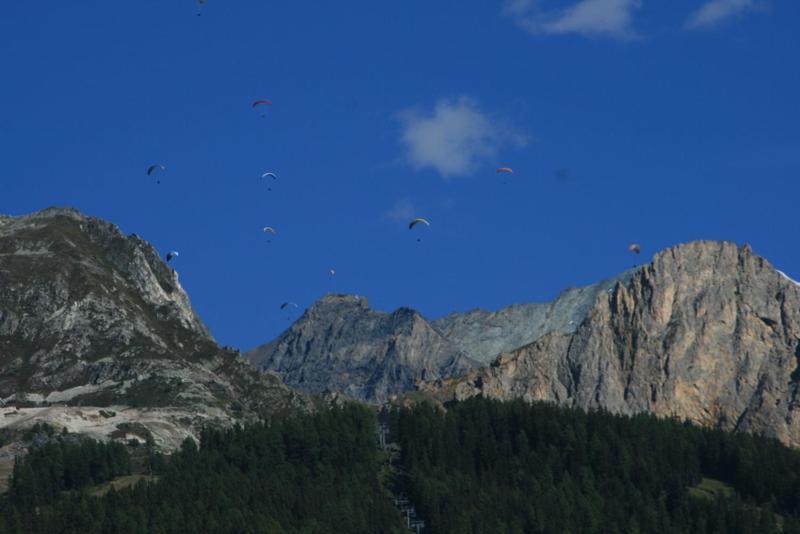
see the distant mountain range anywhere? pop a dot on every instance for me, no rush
(708, 331)
(341, 344)
(97, 336)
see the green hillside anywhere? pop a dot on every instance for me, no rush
(481, 467)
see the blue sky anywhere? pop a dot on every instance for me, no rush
(624, 121)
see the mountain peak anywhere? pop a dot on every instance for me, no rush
(340, 301)
(702, 248)
(52, 211)
(341, 344)
(91, 317)
(709, 331)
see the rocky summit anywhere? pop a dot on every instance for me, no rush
(708, 332)
(340, 344)
(97, 336)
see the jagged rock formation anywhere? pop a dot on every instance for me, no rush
(340, 344)
(708, 331)
(92, 319)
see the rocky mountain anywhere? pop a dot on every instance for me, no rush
(97, 336)
(483, 334)
(708, 331)
(341, 345)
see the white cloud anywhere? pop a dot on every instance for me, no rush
(454, 137)
(716, 12)
(591, 18)
(402, 211)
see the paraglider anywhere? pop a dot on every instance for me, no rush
(261, 102)
(332, 272)
(269, 174)
(635, 248)
(153, 168)
(269, 230)
(418, 220)
(156, 167)
(286, 306)
(504, 170)
(172, 255)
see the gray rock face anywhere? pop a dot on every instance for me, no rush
(341, 345)
(708, 331)
(90, 317)
(483, 335)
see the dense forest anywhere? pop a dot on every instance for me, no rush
(480, 467)
(493, 467)
(64, 465)
(309, 474)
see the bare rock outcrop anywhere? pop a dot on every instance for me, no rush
(90, 317)
(341, 344)
(708, 331)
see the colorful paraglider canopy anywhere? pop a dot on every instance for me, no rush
(270, 175)
(635, 248)
(500, 170)
(172, 255)
(288, 305)
(261, 101)
(153, 168)
(418, 220)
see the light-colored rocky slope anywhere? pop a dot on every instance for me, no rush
(708, 331)
(482, 335)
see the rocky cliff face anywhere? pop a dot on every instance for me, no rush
(340, 344)
(708, 331)
(91, 319)
(482, 335)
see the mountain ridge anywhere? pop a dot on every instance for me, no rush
(708, 331)
(342, 344)
(363, 353)
(94, 321)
